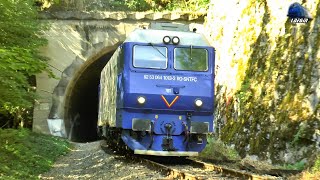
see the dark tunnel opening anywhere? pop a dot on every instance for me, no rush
(83, 102)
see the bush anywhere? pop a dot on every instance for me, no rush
(217, 150)
(25, 154)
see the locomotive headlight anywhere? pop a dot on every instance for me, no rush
(198, 102)
(141, 100)
(166, 39)
(175, 40)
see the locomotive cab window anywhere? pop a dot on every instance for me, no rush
(154, 57)
(191, 59)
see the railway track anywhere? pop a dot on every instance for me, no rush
(195, 170)
(190, 169)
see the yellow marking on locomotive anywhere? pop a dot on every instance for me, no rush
(173, 101)
(156, 116)
(180, 117)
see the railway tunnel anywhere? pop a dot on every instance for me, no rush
(77, 44)
(81, 103)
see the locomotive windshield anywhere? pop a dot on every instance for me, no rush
(154, 57)
(191, 59)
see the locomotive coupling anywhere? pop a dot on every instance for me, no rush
(167, 142)
(168, 128)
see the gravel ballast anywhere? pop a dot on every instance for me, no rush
(89, 161)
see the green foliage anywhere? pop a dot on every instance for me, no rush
(316, 166)
(167, 5)
(298, 135)
(19, 59)
(244, 94)
(297, 166)
(217, 150)
(138, 5)
(25, 155)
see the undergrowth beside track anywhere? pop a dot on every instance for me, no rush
(217, 150)
(25, 154)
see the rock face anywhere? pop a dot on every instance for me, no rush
(267, 78)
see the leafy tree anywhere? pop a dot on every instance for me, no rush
(133, 5)
(20, 39)
(179, 5)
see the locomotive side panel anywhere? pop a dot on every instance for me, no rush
(108, 90)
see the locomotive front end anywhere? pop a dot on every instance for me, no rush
(166, 93)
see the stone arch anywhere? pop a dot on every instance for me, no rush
(80, 106)
(75, 41)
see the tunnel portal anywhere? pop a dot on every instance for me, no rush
(82, 113)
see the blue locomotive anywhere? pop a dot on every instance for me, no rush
(157, 91)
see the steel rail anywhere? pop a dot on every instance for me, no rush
(173, 173)
(231, 172)
(225, 172)
(170, 172)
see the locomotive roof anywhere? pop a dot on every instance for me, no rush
(156, 36)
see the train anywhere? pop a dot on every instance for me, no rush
(156, 93)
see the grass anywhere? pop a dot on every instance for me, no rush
(316, 166)
(297, 166)
(217, 150)
(25, 154)
(310, 173)
(314, 172)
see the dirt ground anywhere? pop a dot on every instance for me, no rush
(89, 161)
